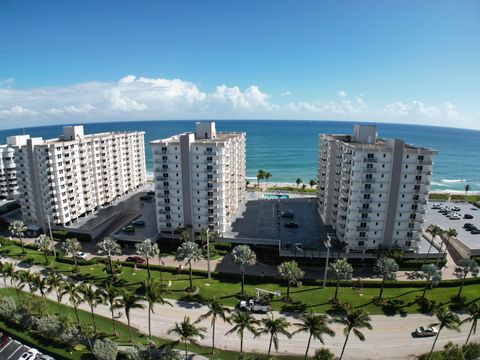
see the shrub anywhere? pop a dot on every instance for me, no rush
(323, 354)
(8, 307)
(105, 349)
(425, 304)
(471, 351)
(140, 352)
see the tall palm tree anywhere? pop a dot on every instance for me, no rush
(291, 272)
(243, 256)
(72, 290)
(312, 183)
(316, 326)
(354, 320)
(242, 321)
(109, 247)
(38, 283)
(274, 327)
(446, 319)
(43, 244)
(266, 177)
(154, 292)
(129, 302)
(92, 297)
(342, 270)
(113, 298)
(260, 176)
(215, 310)
(434, 231)
(450, 234)
(7, 270)
(465, 267)
(184, 235)
(474, 316)
(18, 229)
(16, 278)
(298, 182)
(147, 250)
(188, 332)
(189, 252)
(387, 268)
(72, 246)
(467, 189)
(55, 282)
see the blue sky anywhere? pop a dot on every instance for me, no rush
(394, 61)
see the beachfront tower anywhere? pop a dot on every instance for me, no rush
(199, 179)
(373, 191)
(8, 175)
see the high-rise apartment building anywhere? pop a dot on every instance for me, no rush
(62, 179)
(199, 179)
(373, 191)
(8, 177)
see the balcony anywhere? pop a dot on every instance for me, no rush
(363, 228)
(368, 181)
(370, 160)
(425, 162)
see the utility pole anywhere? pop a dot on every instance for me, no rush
(327, 243)
(51, 237)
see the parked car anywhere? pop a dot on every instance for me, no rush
(467, 225)
(135, 259)
(288, 214)
(456, 208)
(81, 255)
(128, 228)
(138, 222)
(436, 206)
(291, 225)
(468, 216)
(45, 357)
(29, 355)
(424, 331)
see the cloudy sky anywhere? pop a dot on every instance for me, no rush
(395, 61)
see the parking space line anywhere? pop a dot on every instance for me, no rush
(6, 345)
(15, 350)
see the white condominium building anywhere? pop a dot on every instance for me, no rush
(373, 191)
(199, 179)
(65, 178)
(8, 177)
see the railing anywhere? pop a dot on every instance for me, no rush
(370, 160)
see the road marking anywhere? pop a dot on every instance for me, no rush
(6, 345)
(15, 350)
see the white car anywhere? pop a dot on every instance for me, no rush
(424, 331)
(81, 255)
(29, 355)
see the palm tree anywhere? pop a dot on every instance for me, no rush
(43, 244)
(432, 276)
(450, 234)
(341, 270)
(154, 292)
(312, 183)
(387, 268)
(188, 332)
(129, 302)
(298, 182)
(316, 326)
(274, 327)
(243, 256)
(354, 319)
(55, 282)
(215, 310)
(92, 297)
(446, 319)
(291, 272)
(72, 290)
(260, 176)
(467, 189)
(189, 251)
(465, 267)
(147, 250)
(434, 231)
(474, 312)
(21, 279)
(184, 235)
(109, 247)
(72, 246)
(7, 270)
(39, 283)
(18, 228)
(113, 298)
(266, 177)
(88, 332)
(242, 321)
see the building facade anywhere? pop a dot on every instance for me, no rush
(8, 177)
(199, 179)
(63, 179)
(373, 191)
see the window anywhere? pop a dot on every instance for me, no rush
(361, 243)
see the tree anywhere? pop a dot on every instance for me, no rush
(55, 282)
(467, 188)
(266, 177)
(72, 246)
(105, 349)
(92, 297)
(113, 297)
(298, 182)
(88, 332)
(432, 276)
(147, 250)
(342, 271)
(72, 290)
(189, 251)
(243, 256)
(474, 316)
(38, 283)
(43, 244)
(7, 270)
(215, 310)
(387, 268)
(242, 320)
(184, 235)
(274, 327)
(260, 176)
(291, 272)
(354, 320)
(452, 352)
(129, 302)
(434, 231)
(316, 326)
(188, 332)
(446, 319)
(465, 267)
(450, 234)
(109, 247)
(312, 183)
(323, 354)
(18, 229)
(154, 292)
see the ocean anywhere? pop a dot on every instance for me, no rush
(289, 149)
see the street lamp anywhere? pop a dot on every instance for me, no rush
(208, 253)
(51, 237)
(327, 243)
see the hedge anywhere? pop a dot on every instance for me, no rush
(64, 234)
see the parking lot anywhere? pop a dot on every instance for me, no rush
(433, 216)
(262, 219)
(11, 349)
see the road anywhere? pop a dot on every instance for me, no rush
(390, 338)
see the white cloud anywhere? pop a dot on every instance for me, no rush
(7, 82)
(133, 98)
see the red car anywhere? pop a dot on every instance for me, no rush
(135, 259)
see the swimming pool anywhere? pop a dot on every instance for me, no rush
(275, 196)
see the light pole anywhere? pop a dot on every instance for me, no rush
(208, 252)
(51, 237)
(327, 243)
